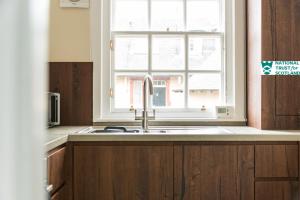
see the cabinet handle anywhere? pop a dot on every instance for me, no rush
(49, 188)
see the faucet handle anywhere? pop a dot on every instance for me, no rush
(153, 114)
(136, 116)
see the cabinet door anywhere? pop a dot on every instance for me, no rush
(276, 190)
(56, 168)
(214, 172)
(123, 172)
(276, 160)
(288, 95)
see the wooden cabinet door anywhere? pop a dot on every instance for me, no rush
(123, 172)
(276, 160)
(213, 172)
(288, 95)
(56, 168)
(276, 190)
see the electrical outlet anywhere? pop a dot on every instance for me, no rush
(224, 112)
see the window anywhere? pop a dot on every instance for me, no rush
(184, 44)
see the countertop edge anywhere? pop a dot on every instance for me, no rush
(60, 135)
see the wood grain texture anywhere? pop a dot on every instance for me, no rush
(74, 81)
(288, 95)
(276, 161)
(268, 53)
(68, 172)
(56, 169)
(123, 172)
(214, 172)
(268, 117)
(278, 190)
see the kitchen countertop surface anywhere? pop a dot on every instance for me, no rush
(59, 135)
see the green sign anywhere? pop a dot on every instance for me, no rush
(280, 67)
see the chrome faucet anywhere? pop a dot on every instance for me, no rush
(147, 90)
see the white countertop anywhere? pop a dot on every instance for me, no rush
(59, 135)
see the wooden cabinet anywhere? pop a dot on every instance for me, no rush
(185, 170)
(123, 172)
(57, 165)
(56, 161)
(277, 171)
(273, 34)
(277, 190)
(214, 172)
(276, 160)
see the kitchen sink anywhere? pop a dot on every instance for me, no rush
(157, 130)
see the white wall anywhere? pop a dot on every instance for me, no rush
(23, 38)
(69, 34)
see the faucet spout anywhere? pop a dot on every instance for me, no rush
(148, 80)
(147, 90)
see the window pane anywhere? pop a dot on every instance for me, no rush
(167, 52)
(131, 52)
(168, 90)
(204, 90)
(167, 15)
(203, 15)
(128, 90)
(130, 15)
(205, 53)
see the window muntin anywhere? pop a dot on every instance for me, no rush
(183, 46)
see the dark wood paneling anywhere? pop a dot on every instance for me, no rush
(214, 172)
(268, 116)
(123, 172)
(74, 81)
(288, 122)
(288, 95)
(56, 170)
(276, 160)
(278, 190)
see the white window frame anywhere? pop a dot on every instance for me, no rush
(235, 42)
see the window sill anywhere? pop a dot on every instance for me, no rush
(172, 122)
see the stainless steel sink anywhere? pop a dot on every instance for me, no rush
(157, 130)
(190, 130)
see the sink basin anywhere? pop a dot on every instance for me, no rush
(159, 130)
(190, 130)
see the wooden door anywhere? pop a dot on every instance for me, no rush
(123, 172)
(213, 172)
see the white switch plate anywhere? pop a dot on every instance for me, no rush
(74, 3)
(224, 112)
